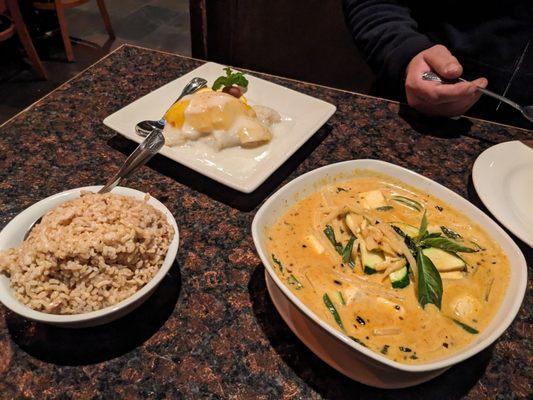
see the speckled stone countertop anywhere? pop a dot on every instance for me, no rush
(210, 330)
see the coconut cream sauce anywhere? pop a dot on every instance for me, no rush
(386, 320)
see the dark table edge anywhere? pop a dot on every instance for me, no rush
(243, 69)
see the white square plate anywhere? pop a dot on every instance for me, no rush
(239, 168)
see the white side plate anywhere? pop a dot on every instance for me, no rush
(503, 178)
(238, 168)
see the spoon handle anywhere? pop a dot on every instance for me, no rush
(144, 151)
(193, 86)
(490, 93)
(140, 156)
(431, 76)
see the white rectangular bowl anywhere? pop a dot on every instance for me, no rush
(335, 348)
(307, 114)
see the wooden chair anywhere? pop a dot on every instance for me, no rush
(11, 10)
(60, 6)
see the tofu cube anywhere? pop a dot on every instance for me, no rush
(372, 199)
(314, 244)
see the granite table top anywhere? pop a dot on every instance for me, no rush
(210, 330)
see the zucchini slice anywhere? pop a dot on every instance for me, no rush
(399, 279)
(409, 230)
(443, 260)
(370, 259)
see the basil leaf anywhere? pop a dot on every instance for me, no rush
(219, 82)
(332, 310)
(356, 340)
(231, 78)
(330, 234)
(466, 327)
(423, 230)
(429, 281)
(411, 245)
(415, 205)
(477, 247)
(450, 233)
(384, 208)
(398, 231)
(292, 280)
(445, 244)
(432, 235)
(278, 262)
(347, 252)
(239, 80)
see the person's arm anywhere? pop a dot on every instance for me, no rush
(387, 35)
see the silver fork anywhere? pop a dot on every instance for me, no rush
(527, 111)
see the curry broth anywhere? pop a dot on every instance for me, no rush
(386, 320)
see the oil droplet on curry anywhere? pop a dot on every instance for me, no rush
(394, 269)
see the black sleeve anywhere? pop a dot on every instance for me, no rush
(387, 35)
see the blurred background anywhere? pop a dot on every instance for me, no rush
(300, 39)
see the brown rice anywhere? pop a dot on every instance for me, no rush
(88, 253)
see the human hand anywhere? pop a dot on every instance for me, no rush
(434, 98)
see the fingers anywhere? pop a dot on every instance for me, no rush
(482, 82)
(452, 108)
(443, 62)
(435, 98)
(439, 93)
